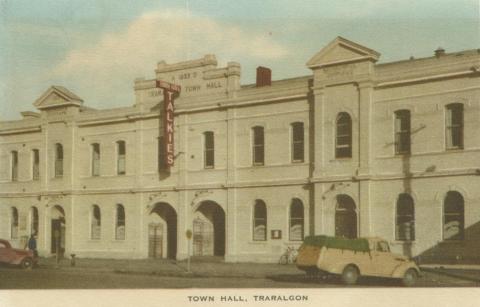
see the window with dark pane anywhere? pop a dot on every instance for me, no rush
(96, 159)
(14, 170)
(453, 216)
(120, 223)
(58, 160)
(454, 126)
(405, 223)
(14, 224)
(402, 132)
(297, 220)
(260, 221)
(35, 164)
(96, 223)
(209, 149)
(343, 143)
(258, 146)
(121, 158)
(298, 147)
(162, 166)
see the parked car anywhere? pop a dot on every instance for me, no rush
(351, 258)
(15, 256)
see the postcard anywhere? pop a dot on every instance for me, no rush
(239, 153)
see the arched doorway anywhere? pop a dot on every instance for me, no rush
(345, 217)
(162, 232)
(209, 230)
(58, 230)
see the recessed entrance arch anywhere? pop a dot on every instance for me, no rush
(162, 232)
(58, 230)
(209, 230)
(345, 217)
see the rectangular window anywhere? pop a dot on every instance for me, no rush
(58, 160)
(343, 142)
(402, 132)
(298, 142)
(258, 146)
(454, 126)
(162, 166)
(35, 164)
(14, 165)
(121, 158)
(95, 159)
(209, 150)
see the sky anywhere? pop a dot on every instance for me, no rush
(96, 48)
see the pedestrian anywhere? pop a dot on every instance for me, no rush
(32, 244)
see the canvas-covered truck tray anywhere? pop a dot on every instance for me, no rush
(310, 250)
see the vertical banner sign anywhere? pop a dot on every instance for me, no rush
(169, 93)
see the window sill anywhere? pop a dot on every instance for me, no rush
(94, 241)
(347, 159)
(298, 161)
(454, 149)
(258, 242)
(403, 154)
(400, 242)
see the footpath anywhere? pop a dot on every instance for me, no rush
(215, 268)
(161, 267)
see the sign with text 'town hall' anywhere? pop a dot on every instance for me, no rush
(169, 93)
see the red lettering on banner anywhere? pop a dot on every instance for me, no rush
(169, 91)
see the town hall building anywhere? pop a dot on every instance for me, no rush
(355, 149)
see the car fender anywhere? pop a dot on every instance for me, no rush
(339, 267)
(401, 269)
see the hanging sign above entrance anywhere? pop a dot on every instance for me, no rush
(169, 93)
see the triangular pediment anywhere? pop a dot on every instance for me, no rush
(340, 51)
(57, 96)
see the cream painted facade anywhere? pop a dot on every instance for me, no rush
(353, 195)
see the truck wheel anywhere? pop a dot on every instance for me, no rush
(350, 275)
(409, 278)
(26, 263)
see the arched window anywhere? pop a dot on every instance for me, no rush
(120, 223)
(34, 220)
(95, 159)
(405, 220)
(298, 142)
(58, 160)
(343, 140)
(14, 224)
(14, 165)
(259, 221)
(297, 220)
(454, 126)
(258, 146)
(453, 216)
(208, 149)
(402, 132)
(96, 223)
(121, 158)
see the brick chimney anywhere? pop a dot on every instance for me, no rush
(439, 52)
(264, 76)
